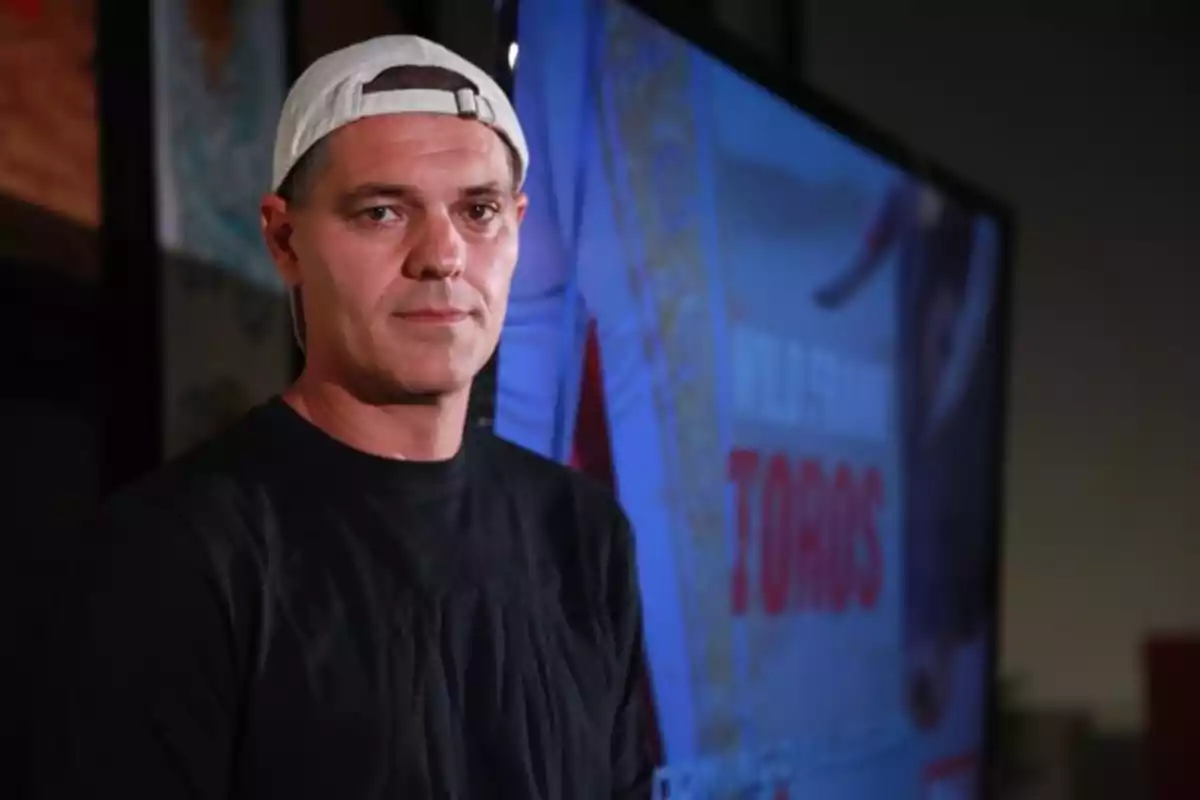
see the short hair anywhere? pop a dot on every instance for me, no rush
(297, 184)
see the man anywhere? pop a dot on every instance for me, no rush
(347, 595)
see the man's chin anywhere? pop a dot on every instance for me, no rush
(428, 389)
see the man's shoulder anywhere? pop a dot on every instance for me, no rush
(574, 519)
(204, 488)
(547, 482)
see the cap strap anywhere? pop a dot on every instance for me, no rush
(463, 103)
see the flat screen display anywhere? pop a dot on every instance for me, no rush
(783, 350)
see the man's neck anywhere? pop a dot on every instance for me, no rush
(411, 432)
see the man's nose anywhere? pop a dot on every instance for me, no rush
(439, 252)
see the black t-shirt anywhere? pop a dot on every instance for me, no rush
(280, 615)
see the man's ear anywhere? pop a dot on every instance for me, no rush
(276, 221)
(522, 206)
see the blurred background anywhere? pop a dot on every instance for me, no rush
(140, 312)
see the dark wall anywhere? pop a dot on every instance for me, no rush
(1087, 123)
(320, 27)
(49, 460)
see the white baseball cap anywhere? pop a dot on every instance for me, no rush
(330, 95)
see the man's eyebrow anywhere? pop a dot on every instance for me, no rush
(489, 189)
(371, 191)
(400, 191)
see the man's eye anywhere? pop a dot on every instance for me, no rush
(380, 214)
(482, 212)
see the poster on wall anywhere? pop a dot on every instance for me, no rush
(48, 134)
(219, 85)
(790, 344)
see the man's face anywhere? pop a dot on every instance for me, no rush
(404, 248)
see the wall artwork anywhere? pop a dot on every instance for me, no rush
(219, 85)
(48, 107)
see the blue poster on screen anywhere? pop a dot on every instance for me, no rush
(798, 368)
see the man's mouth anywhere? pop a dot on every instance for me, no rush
(433, 316)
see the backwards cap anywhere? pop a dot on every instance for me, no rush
(329, 95)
